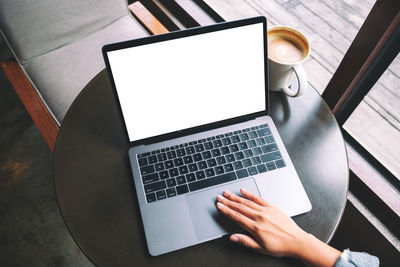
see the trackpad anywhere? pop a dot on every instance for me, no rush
(207, 220)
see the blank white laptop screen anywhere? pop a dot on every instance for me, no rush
(181, 83)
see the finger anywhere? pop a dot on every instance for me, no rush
(238, 218)
(236, 198)
(253, 197)
(246, 241)
(240, 208)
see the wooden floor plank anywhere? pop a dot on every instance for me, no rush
(318, 76)
(376, 135)
(361, 7)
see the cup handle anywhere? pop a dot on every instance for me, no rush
(302, 78)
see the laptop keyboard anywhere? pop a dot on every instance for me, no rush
(199, 164)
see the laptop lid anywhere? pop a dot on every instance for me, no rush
(189, 81)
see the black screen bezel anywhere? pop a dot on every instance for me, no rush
(182, 34)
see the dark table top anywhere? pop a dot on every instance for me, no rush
(97, 197)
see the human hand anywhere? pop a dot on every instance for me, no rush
(273, 232)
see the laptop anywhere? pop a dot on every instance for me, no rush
(194, 105)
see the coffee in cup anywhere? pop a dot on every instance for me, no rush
(287, 50)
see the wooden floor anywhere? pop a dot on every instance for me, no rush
(331, 25)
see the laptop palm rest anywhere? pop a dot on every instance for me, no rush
(208, 222)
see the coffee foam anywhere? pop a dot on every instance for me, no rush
(286, 46)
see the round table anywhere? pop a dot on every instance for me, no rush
(97, 197)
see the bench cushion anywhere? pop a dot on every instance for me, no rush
(61, 74)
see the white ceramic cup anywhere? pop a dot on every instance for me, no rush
(287, 50)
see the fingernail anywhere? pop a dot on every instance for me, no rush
(227, 193)
(234, 239)
(219, 197)
(220, 205)
(243, 190)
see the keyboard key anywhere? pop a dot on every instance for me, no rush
(263, 126)
(155, 152)
(239, 155)
(244, 137)
(168, 164)
(164, 149)
(212, 181)
(271, 156)
(150, 178)
(190, 150)
(242, 173)
(208, 145)
(263, 132)
(211, 163)
(183, 170)
(151, 197)
(188, 159)
(147, 169)
(192, 143)
(229, 134)
(219, 170)
(246, 163)
(257, 151)
(248, 153)
(211, 138)
(255, 128)
(173, 172)
(271, 166)
(199, 148)
(260, 141)
(209, 172)
(171, 154)
(280, 163)
(237, 132)
(226, 141)
(164, 175)
(181, 180)
(202, 140)
(246, 130)
(235, 139)
(206, 154)
(152, 159)
(215, 152)
(171, 192)
(171, 182)
(217, 143)
(181, 152)
(219, 136)
(252, 170)
(174, 147)
(242, 146)
(142, 162)
(190, 177)
(261, 168)
(143, 155)
(253, 135)
(224, 150)
(197, 157)
(228, 167)
(233, 148)
(159, 166)
(161, 195)
(251, 143)
(193, 167)
(237, 165)
(200, 175)
(161, 157)
(148, 188)
(178, 162)
(269, 139)
(256, 160)
(221, 160)
(202, 165)
(269, 148)
(182, 189)
(230, 158)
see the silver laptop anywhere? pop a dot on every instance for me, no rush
(194, 104)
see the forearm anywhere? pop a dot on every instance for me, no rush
(314, 252)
